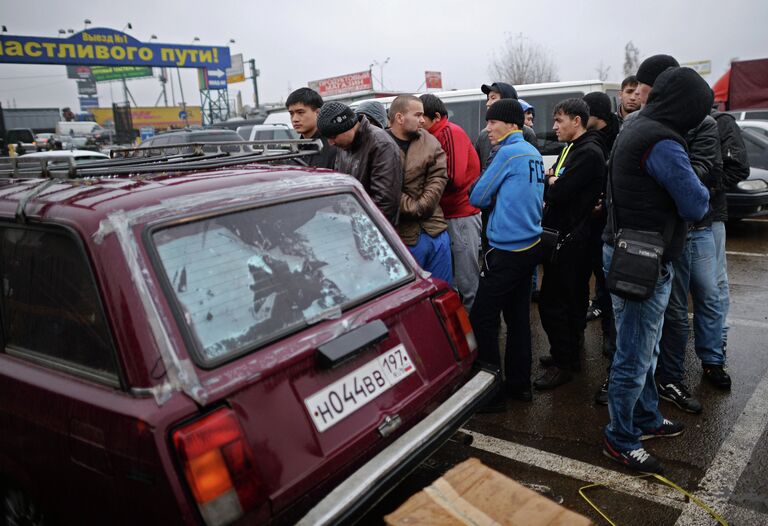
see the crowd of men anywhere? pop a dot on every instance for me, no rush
(485, 216)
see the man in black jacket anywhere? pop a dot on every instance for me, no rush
(735, 168)
(367, 153)
(572, 190)
(695, 272)
(303, 106)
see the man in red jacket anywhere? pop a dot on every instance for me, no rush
(463, 219)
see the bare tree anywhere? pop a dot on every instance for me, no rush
(631, 59)
(602, 71)
(522, 61)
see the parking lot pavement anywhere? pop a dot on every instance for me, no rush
(553, 444)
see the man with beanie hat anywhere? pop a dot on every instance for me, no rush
(572, 190)
(511, 187)
(652, 188)
(422, 226)
(303, 106)
(495, 92)
(649, 69)
(463, 219)
(606, 124)
(367, 153)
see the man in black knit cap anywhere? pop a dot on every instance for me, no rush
(367, 153)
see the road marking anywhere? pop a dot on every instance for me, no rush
(746, 254)
(741, 322)
(615, 481)
(747, 323)
(732, 458)
(578, 470)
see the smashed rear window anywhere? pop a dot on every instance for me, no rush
(249, 277)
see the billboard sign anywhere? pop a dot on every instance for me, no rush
(86, 103)
(236, 73)
(108, 47)
(78, 72)
(86, 87)
(360, 81)
(212, 78)
(153, 116)
(433, 79)
(702, 67)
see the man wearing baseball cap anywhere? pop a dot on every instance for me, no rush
(367, 153)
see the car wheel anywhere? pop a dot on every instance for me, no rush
(18, 509)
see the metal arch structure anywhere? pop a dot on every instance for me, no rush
(214, 105)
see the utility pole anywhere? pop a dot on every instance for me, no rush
(254, 76)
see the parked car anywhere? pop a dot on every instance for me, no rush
(757, 146)
(187, 345)
(44, 141)
(749, 198)
(755, 126)
(266, 132)
(23, 138)
(181, 137)
(62, 156)
(759, 114)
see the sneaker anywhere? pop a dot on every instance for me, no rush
(601, 396)
(716, 375)
(678, 394)
(594, 312)
(637, 459)
(666, 429)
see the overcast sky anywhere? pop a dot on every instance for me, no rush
(295, 41)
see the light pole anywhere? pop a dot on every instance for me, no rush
(381, 70)
(87, 22)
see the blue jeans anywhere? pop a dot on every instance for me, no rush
(433, 254)
(718, 231)
(633, 402)
(695, 270)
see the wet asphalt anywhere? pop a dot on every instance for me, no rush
(552, 444)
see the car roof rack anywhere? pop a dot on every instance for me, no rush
(183, 157)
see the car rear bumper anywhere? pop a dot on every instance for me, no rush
(382, 472)
(747, 204)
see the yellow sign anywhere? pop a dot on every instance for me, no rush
(236, 72)
(161, 118)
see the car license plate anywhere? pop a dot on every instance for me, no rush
(345, 396)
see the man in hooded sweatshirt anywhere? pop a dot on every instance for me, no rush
(572, 190)
(651, 187)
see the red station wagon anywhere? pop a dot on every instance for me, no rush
(199, 342)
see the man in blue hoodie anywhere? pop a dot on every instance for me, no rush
(511, 187)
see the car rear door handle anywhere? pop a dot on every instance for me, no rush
(346, 346)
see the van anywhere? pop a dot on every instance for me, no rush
(78, 128)
(266, 132)
(467, 107)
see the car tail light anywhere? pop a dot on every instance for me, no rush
(219, 467)
(456, 323)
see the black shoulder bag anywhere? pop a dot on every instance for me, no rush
(637, 256)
